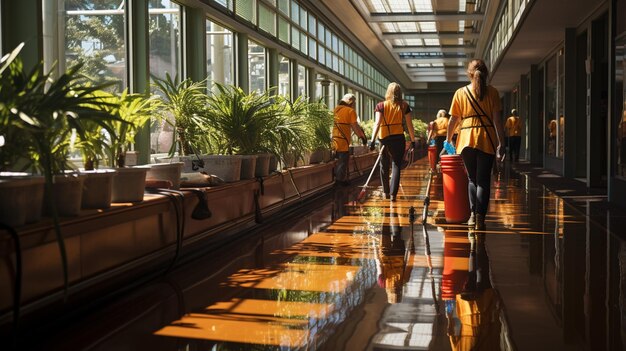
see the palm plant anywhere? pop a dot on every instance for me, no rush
(294, 136)
(133, 111)
(319, 123)
(185, 102)
(239, 123)
(42, 113)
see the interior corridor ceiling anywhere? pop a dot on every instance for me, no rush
(426, 44)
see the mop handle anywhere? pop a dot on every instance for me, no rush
(380, 153)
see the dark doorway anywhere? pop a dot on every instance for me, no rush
(581, 107)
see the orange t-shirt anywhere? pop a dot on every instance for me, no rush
(472, 134)
(342, 128)
(513, 126)
(442, 126)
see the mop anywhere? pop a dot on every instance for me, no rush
(361, 196)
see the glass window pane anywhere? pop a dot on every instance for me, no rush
(256, 65)
(220, 59)
(226, 3)
(267, 19)
(295, 38)
(96, 38)
(283, 6)
(561, 96)
(165, 57)
(246, 9)
(295, 12)
(312, 49)
(620, 106)
(303, 17)
(283, 29)
(312, 25)
(550, 106)
(302, 80)
(283, 76)
(165, 38)
(304, 47)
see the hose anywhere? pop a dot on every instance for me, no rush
(17, 289)
(180, 219)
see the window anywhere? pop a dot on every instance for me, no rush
(165, 38)
(256, 66)
(94, 34)
(551, 130)
(620, 106)
(220, 59)
(302, 80)
(283, 76)
(165, 57)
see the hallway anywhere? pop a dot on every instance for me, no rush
(368, 276)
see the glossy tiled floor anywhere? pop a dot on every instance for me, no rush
(348, 275)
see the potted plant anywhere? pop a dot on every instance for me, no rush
(289, 138)
(238, 123)
(47, 111)
(319, 124)
(21, 193)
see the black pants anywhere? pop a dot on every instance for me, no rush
(478, 165)
(514, 145)
(341, 168)
(439, 144)
(393, 153)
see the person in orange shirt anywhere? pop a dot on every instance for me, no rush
(390, 131)
(477, 107)
(440, 128)
(345, 120)
(513, 131)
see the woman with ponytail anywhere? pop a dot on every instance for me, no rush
(477, 108)
(390, 131)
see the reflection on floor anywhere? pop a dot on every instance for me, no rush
(369, 276)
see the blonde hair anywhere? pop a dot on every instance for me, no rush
(441, 113)
(394, 93)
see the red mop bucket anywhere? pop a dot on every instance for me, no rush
(432, 157)
(455, 198)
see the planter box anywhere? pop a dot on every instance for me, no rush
(108, 248)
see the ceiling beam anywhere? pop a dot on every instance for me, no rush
(442, 78)
(433, 35)
(435, 70)
(453, 60)
(424, 16)
(444, 49)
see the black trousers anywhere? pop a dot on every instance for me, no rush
(393, 153)
(514, 145)
(478, 165)
(439, 144)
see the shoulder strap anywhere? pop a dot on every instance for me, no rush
(474, 103)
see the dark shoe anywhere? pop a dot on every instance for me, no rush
(472, 220)
(393, 198)
(480, 221)
(386, 196)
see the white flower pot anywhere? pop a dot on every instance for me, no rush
(225, 167)
(165, 171)
(98, 188)
(262, 165)
(129, 184)
(21, 198)
(68, 194)
(248, 166)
